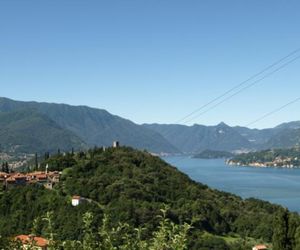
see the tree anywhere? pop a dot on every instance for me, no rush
(47, 156)
(297, 239)
(36, 162)
(6, 167)
(294, 224)
(281, 240)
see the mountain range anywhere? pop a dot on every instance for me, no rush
(198, 138)
(37, 127)
(81, 125)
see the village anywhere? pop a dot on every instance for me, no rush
(44, 178)
(281, 162)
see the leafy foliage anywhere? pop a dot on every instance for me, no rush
(131, 187)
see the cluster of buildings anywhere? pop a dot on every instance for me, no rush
(45, 178)
(277, 162)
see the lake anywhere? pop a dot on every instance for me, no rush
(281, 186)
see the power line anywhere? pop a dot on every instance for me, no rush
(243, 89)
(260, 118)
(273, 112)
(239, 85)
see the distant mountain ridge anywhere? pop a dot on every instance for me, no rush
(197, 138)
(95, 127)
(88, 127)
(28, 131)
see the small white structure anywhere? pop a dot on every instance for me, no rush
(260, 247)
(76, 200)
(116, 144)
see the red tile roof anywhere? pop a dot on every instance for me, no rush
(261, 247)
(36, 241)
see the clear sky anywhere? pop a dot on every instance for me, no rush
(152, 61)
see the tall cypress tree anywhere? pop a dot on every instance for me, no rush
(6, 167)
(36, 162)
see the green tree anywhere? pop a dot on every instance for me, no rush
(281, 240)
(297, 239)
(36, 162)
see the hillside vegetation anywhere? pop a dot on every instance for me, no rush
(212, 154)
(96, 127)
(28, 131)
(131, 187)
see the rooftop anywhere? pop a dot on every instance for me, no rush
(29, 239)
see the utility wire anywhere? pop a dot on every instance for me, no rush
(246, 87)
(239, 85)
(273, 112)
(257, 120)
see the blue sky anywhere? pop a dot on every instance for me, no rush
(152, 61)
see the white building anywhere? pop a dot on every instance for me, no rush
(76, 201)
(260, 247)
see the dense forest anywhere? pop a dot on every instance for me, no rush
(129, 187)
(271, 157)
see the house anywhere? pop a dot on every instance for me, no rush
(32, 242)
(260, 247)
(76, 200)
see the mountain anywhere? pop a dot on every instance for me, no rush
(196, 138)
(98, 127)
(28, 131)
(257, 137)
(286, 138)
(95, 126)
(289, 125)
(285, 135)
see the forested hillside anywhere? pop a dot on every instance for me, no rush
(94, 126)
(28, 131)
(131, 187)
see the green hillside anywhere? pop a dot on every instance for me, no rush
(132, 186)
(211, 154)
(28, 131)
(95, 126)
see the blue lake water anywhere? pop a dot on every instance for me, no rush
(281, 186)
